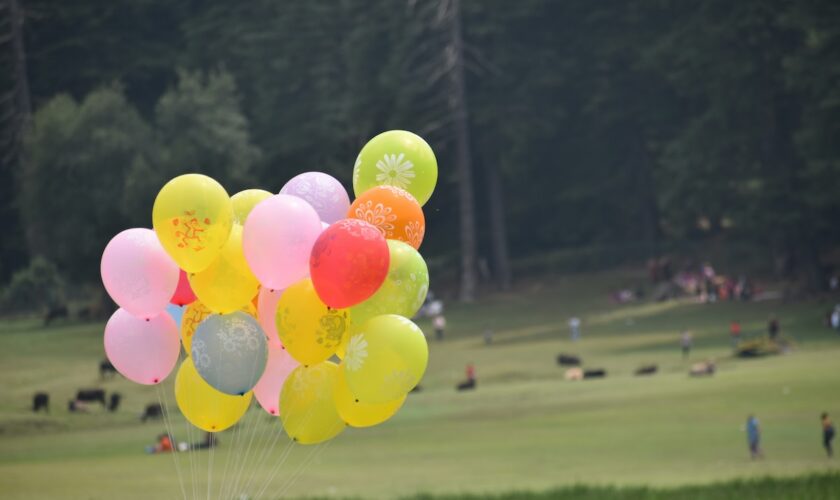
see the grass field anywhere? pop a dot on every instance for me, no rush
(523, 429)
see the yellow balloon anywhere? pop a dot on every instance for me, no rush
(359, 414)
(339, 352)
(192, 217)
(195, 314)
(245, 201)
(307, 406)
(205, 407)
(228, 284)
(309, 329)
(385, 359)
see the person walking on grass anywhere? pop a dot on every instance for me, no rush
(773, 327)
(828, 434)
(574, 326)
(440, 325)
(735, 333)
(686, 341)
(754, 437)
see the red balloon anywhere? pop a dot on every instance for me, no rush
(349, 262)
(183, 294)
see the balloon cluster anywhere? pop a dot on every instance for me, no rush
(274, 286)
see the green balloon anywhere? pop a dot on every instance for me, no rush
(400, 159)
(404, 289)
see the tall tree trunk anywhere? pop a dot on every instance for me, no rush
(16, 111)
(458, 105)
(21, 79)
(498, 228)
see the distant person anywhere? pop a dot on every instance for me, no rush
(574, 326)
(835, 318)
(828, 434)
(773, 327)
(686, 342)
(735, 333)
(470, 383)
(209, 441)
(163, 445)
(488, 336)
(440, 325)
(754, 437)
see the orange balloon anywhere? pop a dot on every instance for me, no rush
(393, 211)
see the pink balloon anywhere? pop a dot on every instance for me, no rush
(277, 239)
(267, 312)
(137, 272)
(280, 365)
(326, 195)
(143, 350)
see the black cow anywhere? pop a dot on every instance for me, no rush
(647, 370)
(153, 410)
(568, 360)
(91, 395)
(114, 401)
(106, 369)
(466, 385)
(594, 373)
(41, 400)
(55, 312)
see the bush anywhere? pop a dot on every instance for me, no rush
(37, 286)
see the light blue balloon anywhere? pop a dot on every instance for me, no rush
(177, 313)
(230, 352)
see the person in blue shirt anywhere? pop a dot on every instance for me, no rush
(754, 437)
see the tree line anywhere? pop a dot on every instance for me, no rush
(635, 124)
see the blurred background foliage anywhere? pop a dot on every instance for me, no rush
(579, 133)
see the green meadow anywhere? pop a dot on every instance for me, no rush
(524, 429)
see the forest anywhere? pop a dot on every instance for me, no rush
(608, 130)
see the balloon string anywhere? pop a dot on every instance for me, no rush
(212, 452)
(174, 451)
(286, 452)
(284, 455)
(240, 445)
(244, 460)
(227, 461)
(236, 450)
(270, 436)
(313, 455)
(278, 464)
(242, 468)
(188, 427)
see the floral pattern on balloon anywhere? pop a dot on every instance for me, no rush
(393, 211)
(395, 170)
(379, 215)
(356, 352)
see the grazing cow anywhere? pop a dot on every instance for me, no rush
(76, 406)
(55, 312)
(41, 400)
(568, 360)
(706, 368)
(91, 395)
(595, 373)
(466, 385)
(573, 374)
(647, 370)
(114, 401)
(153, 410)
(106, 369)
